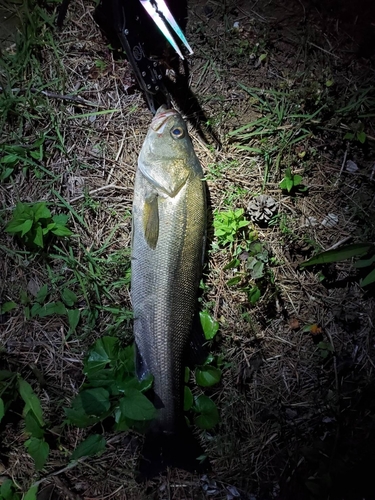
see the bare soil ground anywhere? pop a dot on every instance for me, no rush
(297, 402)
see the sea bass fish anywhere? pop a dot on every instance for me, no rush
(169, 226)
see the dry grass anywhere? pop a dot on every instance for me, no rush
(288, 416)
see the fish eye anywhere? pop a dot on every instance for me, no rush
(177, 132)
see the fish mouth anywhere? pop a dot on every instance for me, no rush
(160, 119)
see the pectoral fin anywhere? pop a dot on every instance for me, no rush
(151, 221)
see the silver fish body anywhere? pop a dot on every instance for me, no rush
(169, 226)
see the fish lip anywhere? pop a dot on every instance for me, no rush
(161, 117)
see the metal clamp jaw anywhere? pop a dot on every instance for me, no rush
(126, 20)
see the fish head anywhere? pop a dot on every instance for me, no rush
(167, 158)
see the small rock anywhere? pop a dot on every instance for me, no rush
(330, 221)
(351, 167)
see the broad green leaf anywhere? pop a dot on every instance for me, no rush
(73, 318)
(32, 425)
(187, 374)
(206, 376)
(69, 297)
(32, 402)
(257, 270)
(188, 398)
(22, 228)
(232, 264)
(136, 406)
(95, 401)
(61, 231)
(42, 294)
(297, 179)
(364, 262)
(234, 281)
(11, 158)
(38, 238)
(6, 173)
(370, 278)
(209, 325)
(343, 253)
(208, 415)
(253, 295)
(60, 219)
(103, 352)
(4, 374)
(35, 310)
(89, 447)
(51, 308)
(2, 409)
(38, 450)
(7, 306)
(41, 211)
(79, 418)
(31, 493)
(361, 136)
(7, 490)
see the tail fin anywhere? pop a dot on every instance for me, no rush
(180, 449)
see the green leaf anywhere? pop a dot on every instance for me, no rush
(32, 402)
(41, 211)
(61, 231)
(136, 406)
(69, 297)
(2, 409)
(51, 308)
(103, 352)
(234, 281)
(60, 219)
(38, 238)
(349, 136)
(187, 374)
(7, 490)
(89, 447)
(206, 376)
(31, 493)
(188, 398)
(7, 306)
(79, 418)
(370, 278)
(343, 253)
(32, 425)
(258, 270)
(38, 450)
(253, 295)
(364, 262)
(208, 414)
(232, 264)
(297, 179)
(42, 294)
(73, 318)
(10, 159)
(209, 325)
(361, 136)
(95, 401)
(22, 228)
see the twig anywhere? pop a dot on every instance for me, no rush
(323, 50)
(343, 162)
(102, 188)
(339, 243)
(54, 95)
